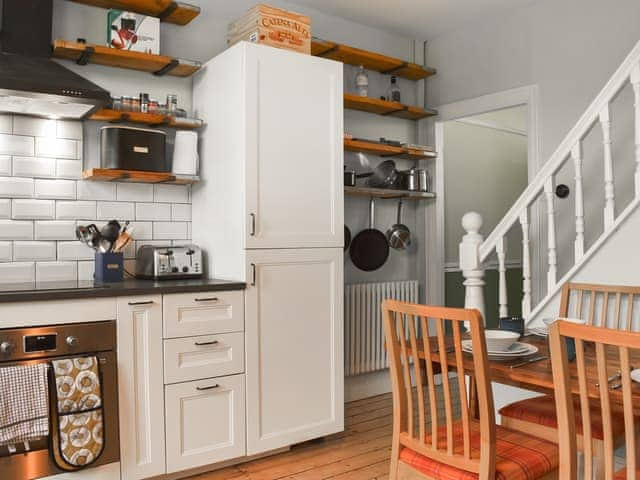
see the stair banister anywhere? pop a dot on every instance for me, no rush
(470, 264)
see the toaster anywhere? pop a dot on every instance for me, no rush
(168, 262)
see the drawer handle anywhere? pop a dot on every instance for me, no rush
(209, 387)
(207, 299)
(148, 302)
(202, 344)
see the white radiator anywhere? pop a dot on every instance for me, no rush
(364, 333)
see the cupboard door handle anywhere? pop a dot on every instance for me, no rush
(253, 275)
(209, 387)
(253, 224)
(148, 302)
(202, 344)
(208, 299)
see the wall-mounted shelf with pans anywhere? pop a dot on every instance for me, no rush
(387, 193)
(385, 150)
(386, 108)
(166, 10)
(370, 60)
(151, 119)
(159, 65)
(135, 176)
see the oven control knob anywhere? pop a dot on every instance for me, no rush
(6, 347)
(72, 341)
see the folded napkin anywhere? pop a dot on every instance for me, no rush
(24, 403)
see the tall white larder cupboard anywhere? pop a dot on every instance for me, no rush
(269, 211)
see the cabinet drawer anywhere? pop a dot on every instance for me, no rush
(206, 356)
(207, 313)
(205, 422)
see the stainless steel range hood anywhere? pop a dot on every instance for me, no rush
(30, 82)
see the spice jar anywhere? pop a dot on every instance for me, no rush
(154, 106)
(144, 102)
(172, 103)
(127, 103)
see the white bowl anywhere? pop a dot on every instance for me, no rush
(500, 340)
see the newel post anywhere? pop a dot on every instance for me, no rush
(470, 264)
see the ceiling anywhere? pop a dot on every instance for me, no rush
(421, 19)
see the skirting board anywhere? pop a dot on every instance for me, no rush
(366, 385)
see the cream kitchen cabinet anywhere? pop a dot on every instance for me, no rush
(294, 345)
(141, 387)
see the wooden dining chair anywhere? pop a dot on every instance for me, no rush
(462, 446)
(609, 306)
(613, 349)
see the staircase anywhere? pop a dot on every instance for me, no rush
(474, 250)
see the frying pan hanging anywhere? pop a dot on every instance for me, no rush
(369, 249)
(399, 235)
(347, 238)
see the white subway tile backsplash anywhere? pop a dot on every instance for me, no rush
(16, 145)
(69, 129)
(56, 230)
(171, 193)
(135, 192)
(23, 272)
(74, 251)
(85, 271)
(34, 167)
(141, 230)
(62, 189)
(96, 191)
(116, 210)
(33, 251)
(16, 230)
(6, 123)
(56, 271)
(68, 168)
(16, 187)
(56, 147)
(169, 230)
(181, 212)
(5, 165)
(5, 208)
(6, 251)
(153, 211)
(76, 209)
(23, 209)
(34, 127)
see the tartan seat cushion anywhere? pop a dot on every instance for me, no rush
(622, 474)
(518, 456)
(542, 411)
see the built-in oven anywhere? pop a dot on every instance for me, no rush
(24, 346)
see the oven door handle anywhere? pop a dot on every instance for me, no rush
(208, 387)
(147, 302)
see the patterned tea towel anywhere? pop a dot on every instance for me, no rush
(24, 403)
(77, 412)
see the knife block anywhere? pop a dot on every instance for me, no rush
(109, 267)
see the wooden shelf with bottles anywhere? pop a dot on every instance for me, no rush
(387, 193)
(166, 10)
(159, 65)
(386, 108)
(151, 119)
(385, 150)
(135, 176)
(370, 60)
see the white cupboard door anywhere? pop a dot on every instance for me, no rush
(294, 346)
(140, 387)
(205, 422)
(294, 150)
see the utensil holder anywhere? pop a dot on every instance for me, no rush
(512, 324)
(109, 267)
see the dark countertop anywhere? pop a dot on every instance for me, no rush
(30, 292)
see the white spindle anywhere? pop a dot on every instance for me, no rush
(470, 264)
(609, 192)
(576, 155)
(551, 235)
(526, 265)
(502, 282)
(635, 82)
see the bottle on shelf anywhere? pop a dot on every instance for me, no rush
(393, 93)
(362, 82)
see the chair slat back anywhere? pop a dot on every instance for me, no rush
(610, 306)
(612, 348)
(414, 335)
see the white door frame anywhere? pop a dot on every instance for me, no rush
(528, 96)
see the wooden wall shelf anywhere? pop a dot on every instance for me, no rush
(166, 10)
(83, 54)
(134, 176)
(383, 150)
(370, 60)
(386, 193)
(152, 119)
(386, 108)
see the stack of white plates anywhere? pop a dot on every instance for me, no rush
(518, 349)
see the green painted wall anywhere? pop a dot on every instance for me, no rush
(454, 293)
